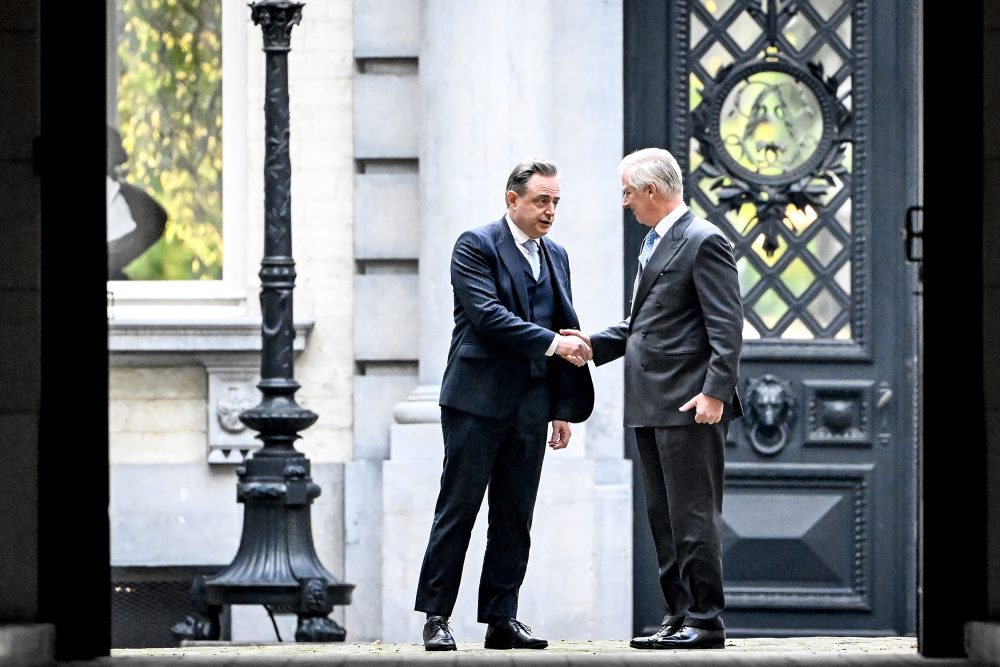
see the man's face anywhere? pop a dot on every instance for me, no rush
(535, 210)
(640, 202)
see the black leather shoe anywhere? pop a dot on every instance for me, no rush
(689, 637)
(511, 633)
(671, 624)
(437, 634)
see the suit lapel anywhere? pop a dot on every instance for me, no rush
(665, 252)
(513, 261)
(559, 283)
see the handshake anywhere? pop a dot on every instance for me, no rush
(574, 347)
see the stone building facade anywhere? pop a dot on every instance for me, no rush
(405, 119)
(180, 363)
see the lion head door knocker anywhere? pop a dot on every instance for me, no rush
(771, 410)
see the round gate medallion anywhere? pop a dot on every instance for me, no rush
(772, 122)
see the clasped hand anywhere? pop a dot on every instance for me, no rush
(574, 347)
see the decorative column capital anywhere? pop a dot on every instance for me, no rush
(276, 18)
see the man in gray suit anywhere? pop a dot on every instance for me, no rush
(681, 344)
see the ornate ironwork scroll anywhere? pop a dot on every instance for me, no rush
(773, 128)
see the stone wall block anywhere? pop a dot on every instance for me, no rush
(386, 216)
(375, 396)
(386, 116)
(386, 28)
(386, 317)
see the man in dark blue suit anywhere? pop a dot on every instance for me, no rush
(502, 385)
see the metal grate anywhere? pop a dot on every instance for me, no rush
(147, 601)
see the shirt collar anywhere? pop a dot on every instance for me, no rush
(663, 226)
(519, 236)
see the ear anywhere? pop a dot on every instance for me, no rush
(650, 190)
(511, 198)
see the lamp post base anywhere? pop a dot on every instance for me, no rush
(319, 629)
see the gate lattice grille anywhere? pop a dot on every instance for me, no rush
(797, 281)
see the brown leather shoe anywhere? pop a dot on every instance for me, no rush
(511, 633)
(671, 624)
(437, 635)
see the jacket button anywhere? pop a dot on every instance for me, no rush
(644, 365)
(659, 305)
(644, 333)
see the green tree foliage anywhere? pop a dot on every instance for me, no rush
(170, 112)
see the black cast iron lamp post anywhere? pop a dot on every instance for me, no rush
(276, 564)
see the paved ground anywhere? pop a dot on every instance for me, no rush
(756, 651)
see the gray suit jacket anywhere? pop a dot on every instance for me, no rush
(685, 331)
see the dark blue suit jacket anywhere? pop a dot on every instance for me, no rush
(493, 342)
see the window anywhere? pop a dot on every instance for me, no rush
(175, 212)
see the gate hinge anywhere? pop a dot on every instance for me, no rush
(915, 238)
(915, 233)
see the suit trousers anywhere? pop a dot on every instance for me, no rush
(682, 470)
(504, 455)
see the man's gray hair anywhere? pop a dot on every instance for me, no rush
(522, 173)
(654, 166)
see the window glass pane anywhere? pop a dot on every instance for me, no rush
(793, 256)
(166, 149)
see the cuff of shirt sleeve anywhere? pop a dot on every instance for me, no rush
(552, 347)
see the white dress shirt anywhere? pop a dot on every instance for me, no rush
(663, 226)
(519, 239)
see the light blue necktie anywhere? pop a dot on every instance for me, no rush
(533, 258)
(647, 248)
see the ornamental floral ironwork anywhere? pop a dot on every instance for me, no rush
(772, 134)
(778, 143)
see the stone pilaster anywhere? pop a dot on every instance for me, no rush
(496, 88)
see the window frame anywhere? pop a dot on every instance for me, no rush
(227, 295)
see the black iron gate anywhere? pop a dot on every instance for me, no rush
(797, 123)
